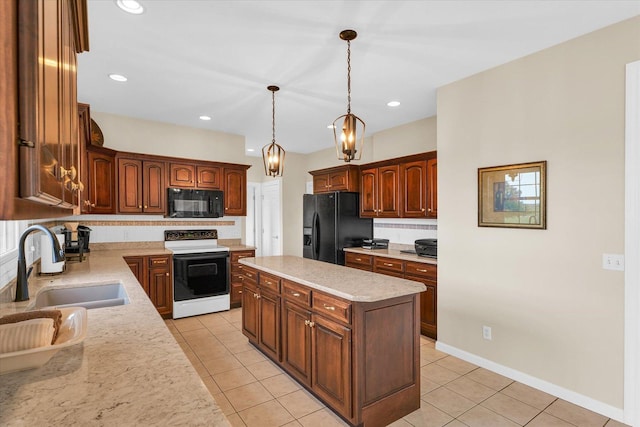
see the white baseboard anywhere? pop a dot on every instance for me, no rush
(553, 389)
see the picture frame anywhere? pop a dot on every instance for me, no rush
(513, 196)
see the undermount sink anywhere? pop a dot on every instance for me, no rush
(90, 296)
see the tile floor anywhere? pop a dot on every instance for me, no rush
(253, 391)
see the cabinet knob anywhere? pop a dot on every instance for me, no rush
(306, 322)
(312, 324)
(167, 274)
(388, 264)
(240, 291)
(145, 206)
(358, 259)
(423, 209)
(422, 270)
(329, 307)
(295, 294)
(429, 209)
(139, 206)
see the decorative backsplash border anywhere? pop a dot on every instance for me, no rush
(407, 226)
(137, 223)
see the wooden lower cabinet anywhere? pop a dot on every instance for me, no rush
(237, 275)
(341, 351)
(154, 273)
(410, 270)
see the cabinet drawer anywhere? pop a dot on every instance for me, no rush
(295, 292)
(389, 264)
(237, 278)
(359, 259)
(249, 274)
(428, 271)
(237, 255)
(332, 307)
(270, 282)
(159, 261)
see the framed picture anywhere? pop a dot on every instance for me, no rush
(513, 196)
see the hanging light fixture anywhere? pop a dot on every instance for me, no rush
(350, 140)
(273, 154)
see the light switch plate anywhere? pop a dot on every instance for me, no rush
(613, 262)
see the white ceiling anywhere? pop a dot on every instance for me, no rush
(188, 58)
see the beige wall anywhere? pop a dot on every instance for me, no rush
(555, 313)
(143, 136)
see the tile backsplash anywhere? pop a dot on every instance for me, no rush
(404, 230)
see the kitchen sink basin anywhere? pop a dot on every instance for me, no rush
(90, 296)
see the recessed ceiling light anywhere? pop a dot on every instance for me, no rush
(393, 103)
(251, 150)
(118, 77)
(130, 6)
(205, 118)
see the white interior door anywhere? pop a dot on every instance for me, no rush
(271, 218)
(253, 221)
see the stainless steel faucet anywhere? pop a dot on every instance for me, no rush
(22, 284)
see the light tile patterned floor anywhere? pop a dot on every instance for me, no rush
(253, 391)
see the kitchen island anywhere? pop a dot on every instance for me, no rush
(128, 371)
(350, 337)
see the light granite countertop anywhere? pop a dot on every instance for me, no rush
(393, 253)
(128, 371)
(344, 282)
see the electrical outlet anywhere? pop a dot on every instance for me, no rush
(613, 262)
(486, 332)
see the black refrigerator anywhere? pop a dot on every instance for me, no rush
(331, 222)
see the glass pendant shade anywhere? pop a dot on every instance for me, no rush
(349, 138)
(273, 154)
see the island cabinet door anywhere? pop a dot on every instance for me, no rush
(250, 312)
(269, 323)
(296, 342)
(331, 361)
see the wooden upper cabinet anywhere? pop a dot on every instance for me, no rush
(182, 175)
(414, 189)
(405, 187)
(153, 187)
(368, 192)
(341, 178)
(379, 194)
(209, 177)
(99, 191)
(141, 186)
(47, 106)
(187, 175)
(432, 188)
(235, 191)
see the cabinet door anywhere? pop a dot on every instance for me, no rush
(250, 311)
(414, 189)
(269, 323)
(296, 342)
(100, 188)
(428, 307)
(209, 177)
(389, 191)
(235, 192)
(182, 175)
(320, 184)
(154, 189)
(432, 188)
(129, 186)
(331, 362)
(369, 192)
(339, 181)
(137, 264)
(160, 289)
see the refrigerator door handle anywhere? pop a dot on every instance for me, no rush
(315, 236)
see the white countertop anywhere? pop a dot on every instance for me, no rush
(128, 371)
(344, 282)
(393, 253)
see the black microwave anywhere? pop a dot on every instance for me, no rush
(188, 203)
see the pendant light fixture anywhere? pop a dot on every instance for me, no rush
(273, 154)
(350, 140)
